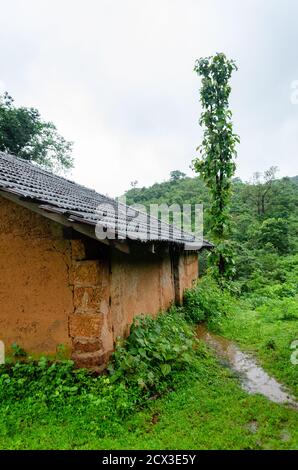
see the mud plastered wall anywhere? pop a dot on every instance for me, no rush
(36, 297)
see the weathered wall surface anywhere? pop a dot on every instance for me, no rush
(146, 286)
(138, 286)
(35, 295)
(188, 271)
(77, 292)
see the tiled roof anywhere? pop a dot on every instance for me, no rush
(78, 203)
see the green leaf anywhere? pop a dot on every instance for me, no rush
(165, 369)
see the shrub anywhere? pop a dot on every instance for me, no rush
(146, 363)
(48, 381)
(279, 309)
(206, 301)
(154, 352)
(17, 351)
(279, 291)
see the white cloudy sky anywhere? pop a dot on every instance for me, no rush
(116, 77)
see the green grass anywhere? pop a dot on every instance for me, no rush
(166, 391)
(268, 337)
(207, 410)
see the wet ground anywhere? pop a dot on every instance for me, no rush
(253, 378)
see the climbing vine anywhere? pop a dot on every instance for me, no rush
(216, 163)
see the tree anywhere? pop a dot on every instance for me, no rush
(261, 188)
(216, 162)
(24, 134)
(176, 175)
(273, 232)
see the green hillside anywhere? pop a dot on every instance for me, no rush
(264, 219)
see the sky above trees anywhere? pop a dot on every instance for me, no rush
(117, 79)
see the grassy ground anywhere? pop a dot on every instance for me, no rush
(47, 408)
(207, 410)
(269, 338)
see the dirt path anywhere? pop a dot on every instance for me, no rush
(253, 377)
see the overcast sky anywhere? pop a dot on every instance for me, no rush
(116, 77)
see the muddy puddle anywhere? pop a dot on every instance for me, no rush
(253, 378)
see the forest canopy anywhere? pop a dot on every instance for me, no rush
(262, 238)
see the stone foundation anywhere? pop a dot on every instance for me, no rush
(89, 329)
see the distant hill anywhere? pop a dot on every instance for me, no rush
(179, 191)
(184, 189)
(294, 179)
(259, 237)
(280, 201)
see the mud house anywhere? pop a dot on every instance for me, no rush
(59, 284)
